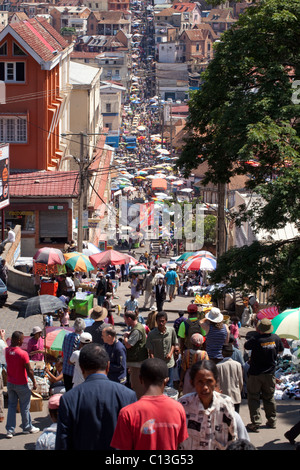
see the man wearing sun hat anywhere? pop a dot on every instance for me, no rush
(98, 314)
(265, 347)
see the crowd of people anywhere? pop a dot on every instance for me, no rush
(111, 392)
(157, 386)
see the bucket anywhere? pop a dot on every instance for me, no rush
(171, 392)
(226, 319)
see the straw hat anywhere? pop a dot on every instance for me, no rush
(265, 326)
(98, 313)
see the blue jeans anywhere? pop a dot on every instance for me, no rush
(23, 394)
(100, 299)
(171, 377)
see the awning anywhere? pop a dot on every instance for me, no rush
(159, 183)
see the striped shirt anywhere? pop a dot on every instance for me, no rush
(70, 344)
(215, 339)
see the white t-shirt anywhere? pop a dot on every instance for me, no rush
(77, 375)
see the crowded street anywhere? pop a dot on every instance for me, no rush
(113, 333)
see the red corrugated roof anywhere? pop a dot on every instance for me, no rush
(44, 183)
(43, 40)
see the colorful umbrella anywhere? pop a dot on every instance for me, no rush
(139, 269)
(109, 257)
(55, 337)
(269, 312)
(200, 262)
(78, 262)
(185, 256)
(49, 256)
(287, 324)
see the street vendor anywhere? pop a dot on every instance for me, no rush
(35, 347)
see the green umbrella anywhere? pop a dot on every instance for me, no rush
(287, 324)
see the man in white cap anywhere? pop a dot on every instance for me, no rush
(78, 378)
(217, 334)
(265, 347)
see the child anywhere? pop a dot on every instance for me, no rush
(234, 330)
(46, 440)
(64, 317)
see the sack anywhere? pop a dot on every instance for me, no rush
(36, 402)
(191, 327)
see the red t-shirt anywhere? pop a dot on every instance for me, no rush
(16, 358)
(151, 423)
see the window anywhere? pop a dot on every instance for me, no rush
(17, 50)
(13, 129)
(108, 107)
(3, 49)
(12, 71)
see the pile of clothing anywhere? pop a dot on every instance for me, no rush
(288, 375)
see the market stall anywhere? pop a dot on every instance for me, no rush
(82, 303)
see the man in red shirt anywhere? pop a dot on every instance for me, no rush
(18, 371)
(155, 421)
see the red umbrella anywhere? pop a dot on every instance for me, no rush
(109, 257)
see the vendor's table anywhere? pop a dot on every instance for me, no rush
(49, 288)
(82, 306)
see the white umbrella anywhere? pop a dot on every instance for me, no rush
(163, 151)
(186, 190)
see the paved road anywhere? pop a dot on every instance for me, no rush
(10, 320)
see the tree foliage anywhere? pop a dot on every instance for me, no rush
(246, 111)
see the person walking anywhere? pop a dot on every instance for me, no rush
(189, 357)
(70, 344)
(87, 414)
(189, 327)
(155, 421)
(217, 334)
(101, 288)
(136, 351)
(117, 355)
(171, 277)
(148, 289)
(231, 377)
(160, 294)
(85, 338)
(161, 342)
(265, 346)
(98, 314)
(18, 371)
(210, 415)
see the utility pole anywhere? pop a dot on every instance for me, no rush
(81, 195)
(221, 220)
(84, 164)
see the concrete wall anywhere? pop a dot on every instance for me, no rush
(17, 280)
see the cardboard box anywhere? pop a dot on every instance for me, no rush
(36, 402)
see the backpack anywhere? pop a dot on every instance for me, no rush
(191, 327)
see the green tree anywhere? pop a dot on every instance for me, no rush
(248, 110)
